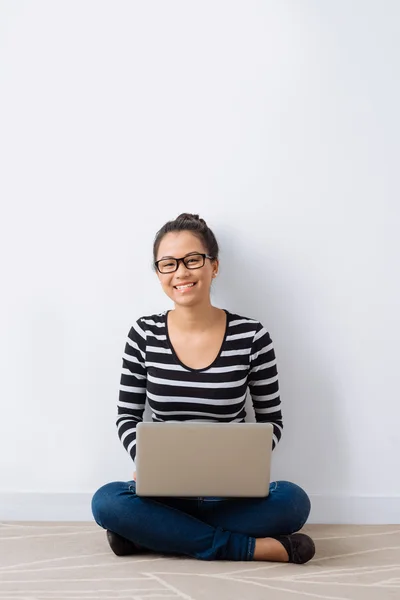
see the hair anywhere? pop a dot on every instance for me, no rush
(188, 222)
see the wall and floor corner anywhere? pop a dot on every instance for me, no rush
(279, 124)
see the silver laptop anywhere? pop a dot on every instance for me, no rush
(203, 459)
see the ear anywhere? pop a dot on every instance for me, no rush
(215, 264)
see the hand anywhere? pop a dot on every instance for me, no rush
(134, 475)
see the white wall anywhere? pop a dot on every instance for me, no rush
(279, 123)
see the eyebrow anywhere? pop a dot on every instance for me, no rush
(188, 254)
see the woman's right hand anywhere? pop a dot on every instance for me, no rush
(134, 475)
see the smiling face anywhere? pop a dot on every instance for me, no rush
(177, 245)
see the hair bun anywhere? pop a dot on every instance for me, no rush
(190, 217)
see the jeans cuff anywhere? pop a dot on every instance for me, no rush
(250, 548)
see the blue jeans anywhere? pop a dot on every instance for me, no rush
(204, 528)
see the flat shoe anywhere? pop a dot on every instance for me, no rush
(299, 547)
(121, 546)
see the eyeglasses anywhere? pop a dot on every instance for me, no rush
(191, 261)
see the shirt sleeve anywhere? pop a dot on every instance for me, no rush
(263, 383)
(132, 390)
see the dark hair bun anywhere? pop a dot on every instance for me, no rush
(190, 217)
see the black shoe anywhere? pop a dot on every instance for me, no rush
(299, 547)
(120, 545)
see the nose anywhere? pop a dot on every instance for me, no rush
(184, 267)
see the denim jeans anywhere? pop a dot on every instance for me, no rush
(204, 528)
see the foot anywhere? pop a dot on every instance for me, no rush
(295, 548)
(270, 549)
(120, 545)
(299, 547)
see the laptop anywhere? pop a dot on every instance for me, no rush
(199, 459)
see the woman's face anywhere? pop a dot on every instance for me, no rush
(178, 245)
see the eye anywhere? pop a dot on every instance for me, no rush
(167, 266)
(194, 260)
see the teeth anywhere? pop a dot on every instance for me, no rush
(182, 287)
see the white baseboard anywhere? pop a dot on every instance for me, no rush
(346, 510)
(355, 510)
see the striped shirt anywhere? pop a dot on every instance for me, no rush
(152, 372)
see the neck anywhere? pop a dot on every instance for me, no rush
(195, 318)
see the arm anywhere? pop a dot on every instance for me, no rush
(263, 382)
(132, 391)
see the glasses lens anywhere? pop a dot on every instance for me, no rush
(167, 266)
(194, 261)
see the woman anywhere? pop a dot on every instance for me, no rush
(166, 356)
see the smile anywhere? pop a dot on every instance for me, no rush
(184, 287)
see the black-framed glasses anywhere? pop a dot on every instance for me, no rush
(195, 260)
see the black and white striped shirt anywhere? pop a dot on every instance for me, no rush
(152, 371)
